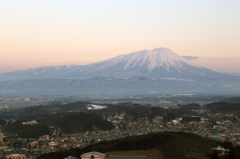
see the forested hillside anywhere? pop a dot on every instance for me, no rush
(71, 122)
(223, 107)
(172, 145)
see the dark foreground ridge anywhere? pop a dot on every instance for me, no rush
(173, 145)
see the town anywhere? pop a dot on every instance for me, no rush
(213, 126)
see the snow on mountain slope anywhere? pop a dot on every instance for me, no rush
(160, 63)
(160, 57)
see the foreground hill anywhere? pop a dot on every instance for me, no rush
(171, 145)
(74, 122)
(154, 153)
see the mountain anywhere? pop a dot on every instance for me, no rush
(160, 63)
(103, 85)
(112, 86)
(143, 72)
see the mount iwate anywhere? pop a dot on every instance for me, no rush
(158, 70)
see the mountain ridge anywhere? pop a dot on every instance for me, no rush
(112, 86)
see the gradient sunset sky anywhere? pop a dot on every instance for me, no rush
(42, 32)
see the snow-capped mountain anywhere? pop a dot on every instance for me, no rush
(160, 63)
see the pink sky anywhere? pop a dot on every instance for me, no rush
(36, 33)
(227, 64)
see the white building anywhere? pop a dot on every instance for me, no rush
(93, 155)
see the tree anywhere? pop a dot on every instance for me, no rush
(14, 145)
(214, 155)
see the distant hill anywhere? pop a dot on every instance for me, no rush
(136, 111)
(44, 109)
(232, 100)
(76, 122)
(223, 107)
(70, 122)
(172, 145)
(191, 106)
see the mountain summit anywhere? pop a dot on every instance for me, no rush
(160, 63)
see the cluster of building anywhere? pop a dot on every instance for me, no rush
(33, 122)
(215, 126)
(7, 104)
